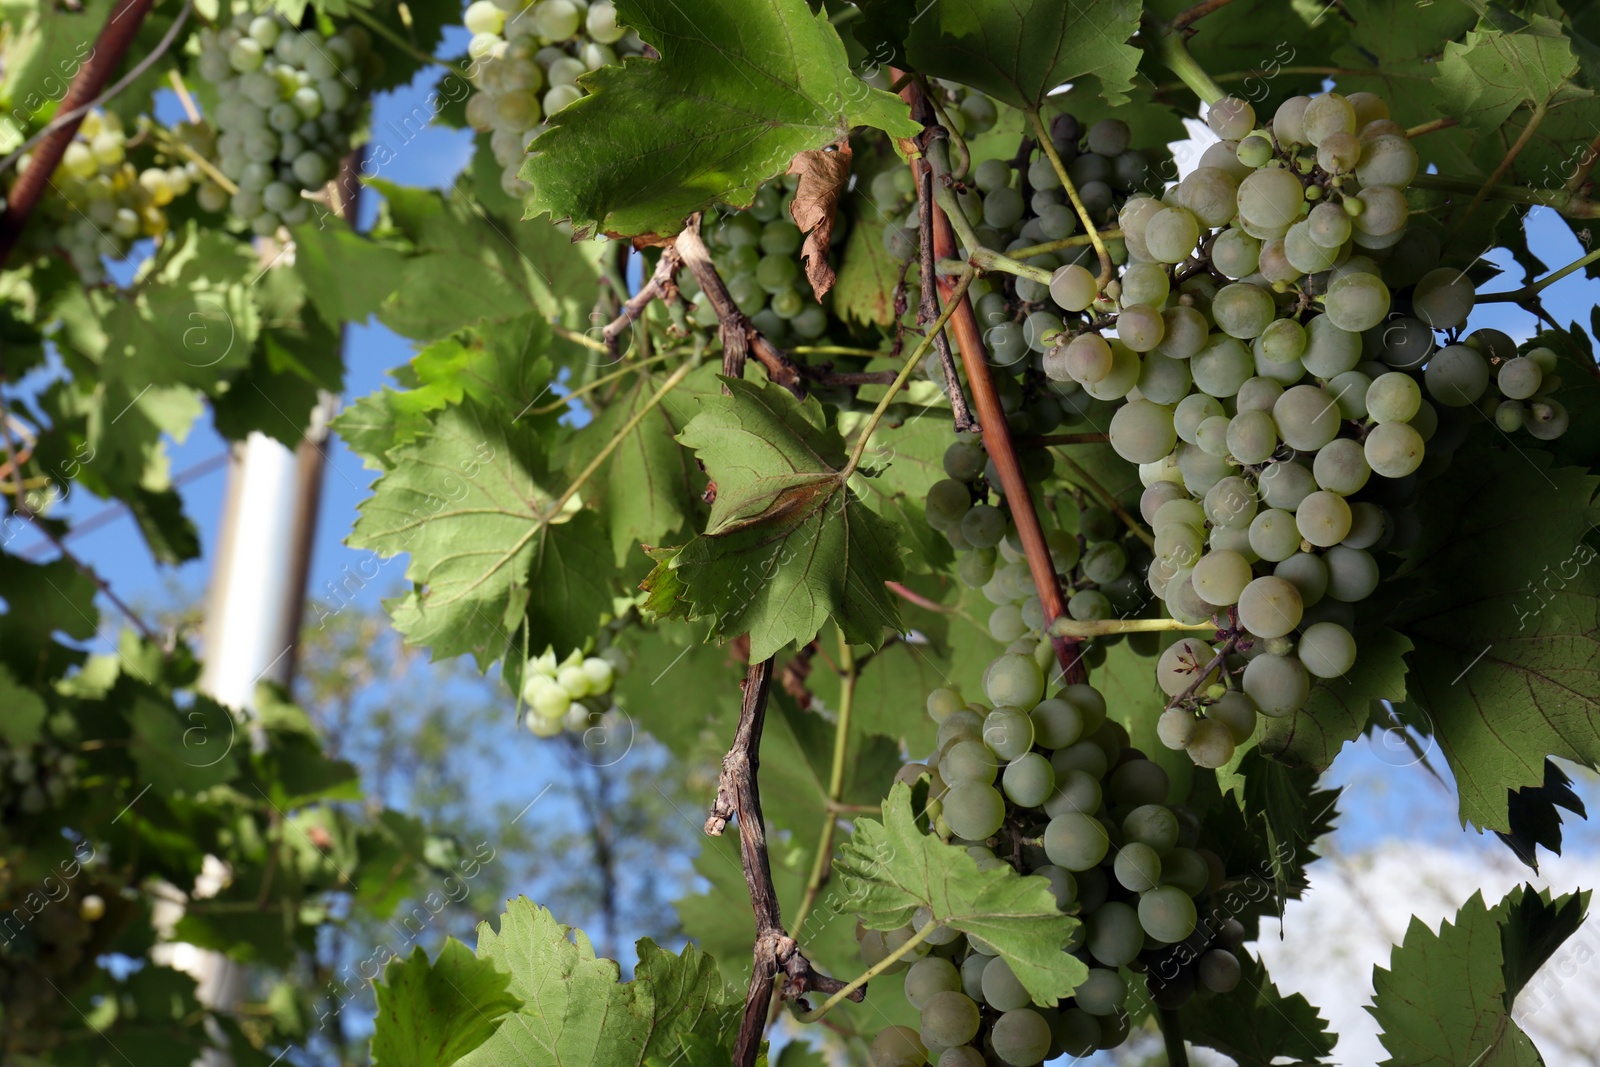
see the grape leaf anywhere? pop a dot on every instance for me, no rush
(1292, 813)
(868, 276)
(1338, 708)
(575, 1009)
(796, 760)
(1532, 815)
(1017, 51)
(430, 1015)
(21, 726)
(464, 502)
(742, 86)
(1483, 79)
(889, 869)
(788, 544)
(899, 465)
(348, 275)
(1448, 997)
(1506, 665)
(1256, 1024)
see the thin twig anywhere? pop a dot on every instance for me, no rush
(739, 795)
(662, 284)
(841, 745)
(182, 92)
(1090, 226)
(1093, 485)
(1511, 155)
(100, 583)
(1172, 1038)
(1563, 202)
(911, 596)
(1580, 174)
(109, 48)
(739, 338)
(605, 379)
(1065, 627)
(928, 310)
(1199, 11)
(1532, 290)
(986, 401)
(1433, 127)
(857, 984)
(1216, 666)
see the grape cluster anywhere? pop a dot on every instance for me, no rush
(40, 778)
(1051, 787)
(527, 57)
(106, 203)
(288, 102)
(1281, 380)
(1097, 563)
(569, 694)
(757, 253)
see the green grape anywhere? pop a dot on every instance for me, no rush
(1327, 114)
(1164, 381)
(1350, 394)
(1367, 526)
(1443, 298)
(1270, 200)
(1219, 577)
(1029, 780)
(1519, 378)
(1258, 394)
(1456, 376)
(1140, 328)
(1074, 841)
(1057, 723)
(944, 702)
(1102, 992)
(1142, 432)
(1089, 605)
(1077, 790)
(1327, 650)
(983, 525)
(1270, 607)
(1192, 411)
(1231, 118)
(1180, 509)
(1186, 868)
(1235, 711)
(930, 975)
(1282, 340)
(1330, 350)
(1212, 436)
(949, 1018)
(1544, 358)
(1509, 415)
(1137, 867)
(1103, 562)
(1003, 208)
(1115, 936)
(1274, 535)
(1199, 470)
(1546, 419)
(1303, 253)
(963, 723)
(1184, 332)
(1001, 989)
(1175, 727)
(974, 810)
(1340, 467)
(1307, 417)
(1339, 153)
(992, 174)
(1307, 573)
(948, 503)
(1275, 266)
(1328, 226)
(1153, 824)
(1235, 253)
(1089, 359)
(1254, 150)
(1393, 397)
(1252, 437)
(1021, 1038)
(1222, 366)
(1323, 518)
(964, 461)
(1014, 681)
(1171, 234)
(1211, 745)
(1181, 663)
(1210, 195)
(898, 1046)
(1231, 502)
(1243, 310)
(1008, 731)
(1387, 160)
(1278, 685)
(1219, 970)
(1167, 913)
(1139, 782)
(1005, 623)
(1357, 302)
(1288, 122)
(1394, 449)
(968, 761)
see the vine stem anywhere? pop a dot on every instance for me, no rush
(1198, 11)
(1176, 56)
(1172, 1038)
(109, 48)
(672, 382)
(1504, 165)
(590, 387)
(1217, 667)
(1049, 148)
(911, 596)
(1075, 241)
(870, 973)
(1094, 486)
(1433, 127)
(1563, 202)
(578, 338)
(991, 416)
(841, 745)
(1534, 288)
(1065, 627)
(954, 300)
(376, 26)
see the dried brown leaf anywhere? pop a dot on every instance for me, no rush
(823, 173)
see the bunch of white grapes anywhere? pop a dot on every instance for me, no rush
(40, 777)
(757, 253)
(526, 58)
(1051, 787)
(1281, 379)
(1097, 562)
(569, 694)
(288, 102)
(105, 203)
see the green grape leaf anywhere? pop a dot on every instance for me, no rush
(1483, 79)
(1532, 815)
(348, 275)
(1448, 997)
(796, 760)
(1257, 1025)
(889, 869)
(432, 1014)
(183, 750)
(575, 1009)
(897, 468)
(1292, 814)
(464, 502)
(43, 598)
(1338, 709)
(742, 86)
(1017, 51)
(22, 724)
(868, 275)
(788, 544)
(1506, 668)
